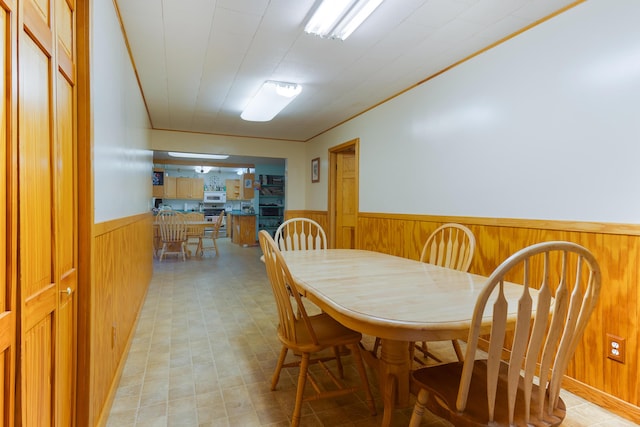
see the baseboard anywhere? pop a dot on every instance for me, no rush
(604, 400)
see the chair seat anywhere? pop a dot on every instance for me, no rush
(329, 333)
(441, 382)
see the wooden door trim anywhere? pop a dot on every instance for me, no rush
(351, 145)
(85, 375)
(9, 318)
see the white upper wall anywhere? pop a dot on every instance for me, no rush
(544, 126)
(122, 159)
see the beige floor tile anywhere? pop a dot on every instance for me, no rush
(205, 348)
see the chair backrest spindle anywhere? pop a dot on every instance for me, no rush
(450, 245)
(298, 234)
(560, 311)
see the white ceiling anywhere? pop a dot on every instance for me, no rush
(200, 61)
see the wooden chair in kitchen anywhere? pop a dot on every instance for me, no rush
(212, 234)
(307, 335)
(195, 232)
(501, 389)
(173, 233)
(451, 246)
(300, 234)
(157, 239)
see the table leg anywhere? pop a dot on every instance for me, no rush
(394, 371)
(388, 398)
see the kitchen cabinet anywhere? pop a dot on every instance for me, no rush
(189, 188)
(169, 187)
(246, 192)
(198, 188)
(157, 181)
(233, 189)
(243, 229)
(270, 202)
(240, 189)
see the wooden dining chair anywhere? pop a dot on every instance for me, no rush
(195, 232)
(307, 335)
(452, 246)
(300, 234)
(173, 233)
(518, 381)
(212, 235)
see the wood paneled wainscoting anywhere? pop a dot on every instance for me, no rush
(318, 216)
(123, 261)
(610, 384)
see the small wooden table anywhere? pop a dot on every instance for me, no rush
(397, 299)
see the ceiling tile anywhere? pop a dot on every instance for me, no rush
(199, 65)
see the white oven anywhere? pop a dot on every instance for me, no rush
(215, 197)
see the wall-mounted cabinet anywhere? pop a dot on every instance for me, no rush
(157, 181)
(233, 189)
(170, 187)
(270, 202)
(240, 189)
(246, 191)
(190, 188)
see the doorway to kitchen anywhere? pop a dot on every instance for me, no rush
(343, 194)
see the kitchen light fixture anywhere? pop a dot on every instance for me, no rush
(202, 169)
(270, 100)
(198, 156)
(337, 19)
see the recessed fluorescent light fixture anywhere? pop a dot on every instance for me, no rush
(198, 156)
(270, 100)
(337, 19)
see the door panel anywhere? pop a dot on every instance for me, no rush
(35, 168)
(37, 362)
(48, 213)
(39, 292)
(346, 200)
(66, 253)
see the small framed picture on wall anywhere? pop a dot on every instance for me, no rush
(315, 170)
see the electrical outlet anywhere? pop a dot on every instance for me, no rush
(615, 348)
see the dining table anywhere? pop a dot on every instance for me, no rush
(397, 299)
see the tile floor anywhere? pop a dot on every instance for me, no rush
(205, 348)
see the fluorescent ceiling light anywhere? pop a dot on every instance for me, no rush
(337, 19)
(270, 100)
(198, 156)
